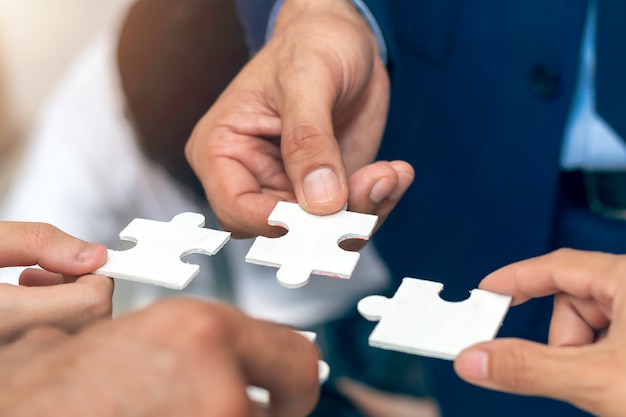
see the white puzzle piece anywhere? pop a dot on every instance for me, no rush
(417, 321)
(261, 396)
(311, 245)
(156, 259)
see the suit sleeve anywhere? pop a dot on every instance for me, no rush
(258, 17)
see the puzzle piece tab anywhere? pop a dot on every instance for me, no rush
(417, 321)
(261, 396)
(311, 244)
(156, 259)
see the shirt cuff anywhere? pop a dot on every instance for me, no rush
(359, 5)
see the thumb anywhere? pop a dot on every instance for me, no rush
(572, 374)
(26, 243)
(310, 152)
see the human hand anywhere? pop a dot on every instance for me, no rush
(38, 300)
(584, 362)
(176, 358)
(301, 122)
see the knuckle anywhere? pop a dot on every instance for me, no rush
(101, 307)
(195, 321)
(303, 137)
(40, 234)
(208, 329)
(564, 253)
(98, 302)
(299, 65)
(189, 148)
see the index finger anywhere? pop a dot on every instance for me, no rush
(282, 361)
(239, 167)
(264, 354)
(582, 274)
(25, 244)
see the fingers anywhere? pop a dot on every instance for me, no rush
(584, 275)
(69, 306)
(33, 277)
(310, 106)
(577, 375)
(216, 350)
(226, 346)
(376, 188)
(283, 362)
(272, 357)
(242, 173)
(38, 243)
(576, 322)
(18, 354)
(586, 283)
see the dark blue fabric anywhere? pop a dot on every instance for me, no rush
(480, 92)
(486, 149)
(253, 15)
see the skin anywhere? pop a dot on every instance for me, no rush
(38, 300)
(584, 362)
(179, 357)
(302, 121)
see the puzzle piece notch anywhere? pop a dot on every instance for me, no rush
(261, 396)
(156, 257)
(418, 321)
(311, 245)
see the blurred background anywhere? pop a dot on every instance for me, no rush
(38, 41)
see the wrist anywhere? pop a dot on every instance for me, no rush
(285, 11)
(290, 9)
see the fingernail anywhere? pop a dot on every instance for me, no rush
(321, 186)
(474, 364)
(89, 251)
(381, 190)
(404, 181)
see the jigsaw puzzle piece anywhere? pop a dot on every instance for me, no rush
(416, 320)
(311, 245)
(156, 258)
(261, 396)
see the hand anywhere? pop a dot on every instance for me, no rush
(585, 360)
(301, 122)
(175, 358)
(38, 300)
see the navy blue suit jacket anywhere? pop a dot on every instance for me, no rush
(480, 93)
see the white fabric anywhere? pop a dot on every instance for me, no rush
(83, 173)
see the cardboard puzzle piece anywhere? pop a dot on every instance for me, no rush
(311, 245)
(156, 258)
(417, 321)
(261, 396)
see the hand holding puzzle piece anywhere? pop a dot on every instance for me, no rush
(417, 321)
(156, 259)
